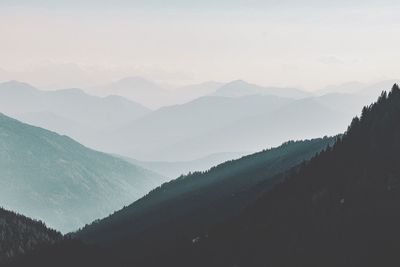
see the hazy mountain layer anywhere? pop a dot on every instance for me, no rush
(300, 119)
(137, 89)
(212, 124)
(70, 111)
(161, 129)
(154, 95)
(249, 121)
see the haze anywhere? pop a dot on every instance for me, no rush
(302, 44)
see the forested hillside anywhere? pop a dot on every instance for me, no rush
(20, 235)
(178, 212)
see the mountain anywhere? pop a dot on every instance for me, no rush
(301, 119)
(20, 235)
(167, 126)
(137, 89)
(211, 125)
(180, 210)
(240, 88)
(51, 177)
(339, 209)
(188, 93)
(70, 111)
(154, 95)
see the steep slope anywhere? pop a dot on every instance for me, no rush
(240, 88)
(53, 178)
(181, 210)
(20, 235)
(339, 209)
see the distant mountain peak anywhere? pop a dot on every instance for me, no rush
(239, 88)
(238, 82)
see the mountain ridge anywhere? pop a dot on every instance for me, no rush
(51, 177)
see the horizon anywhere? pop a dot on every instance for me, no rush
(175, 87)
(303, 44)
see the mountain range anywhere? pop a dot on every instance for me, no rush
(209, 124)
(71, 111)
(320, 202)
(155, 95)
(167, 126)
(214, 124)
(340, 208)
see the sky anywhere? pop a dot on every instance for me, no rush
(307, 44)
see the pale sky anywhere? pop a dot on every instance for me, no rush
(307, 44)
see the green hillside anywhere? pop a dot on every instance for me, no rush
(51, 177)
